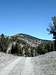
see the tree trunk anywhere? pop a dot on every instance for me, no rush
(55, 45)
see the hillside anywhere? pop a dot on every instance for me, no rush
(22, 35)
(30, 39)
(24, 45)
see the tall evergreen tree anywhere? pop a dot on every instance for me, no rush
(52, 30)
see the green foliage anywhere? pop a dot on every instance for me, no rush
(44, 48)
(3, 43)
(52, 30)
(28, 49)
(41, 49)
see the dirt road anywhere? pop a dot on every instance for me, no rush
(20, 66)
(40, 65)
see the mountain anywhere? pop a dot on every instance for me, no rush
(22, 35)
(30, 39)
(24, 45)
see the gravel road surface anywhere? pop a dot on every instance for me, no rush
(40, 65)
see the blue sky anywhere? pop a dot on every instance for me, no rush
(26, 16)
